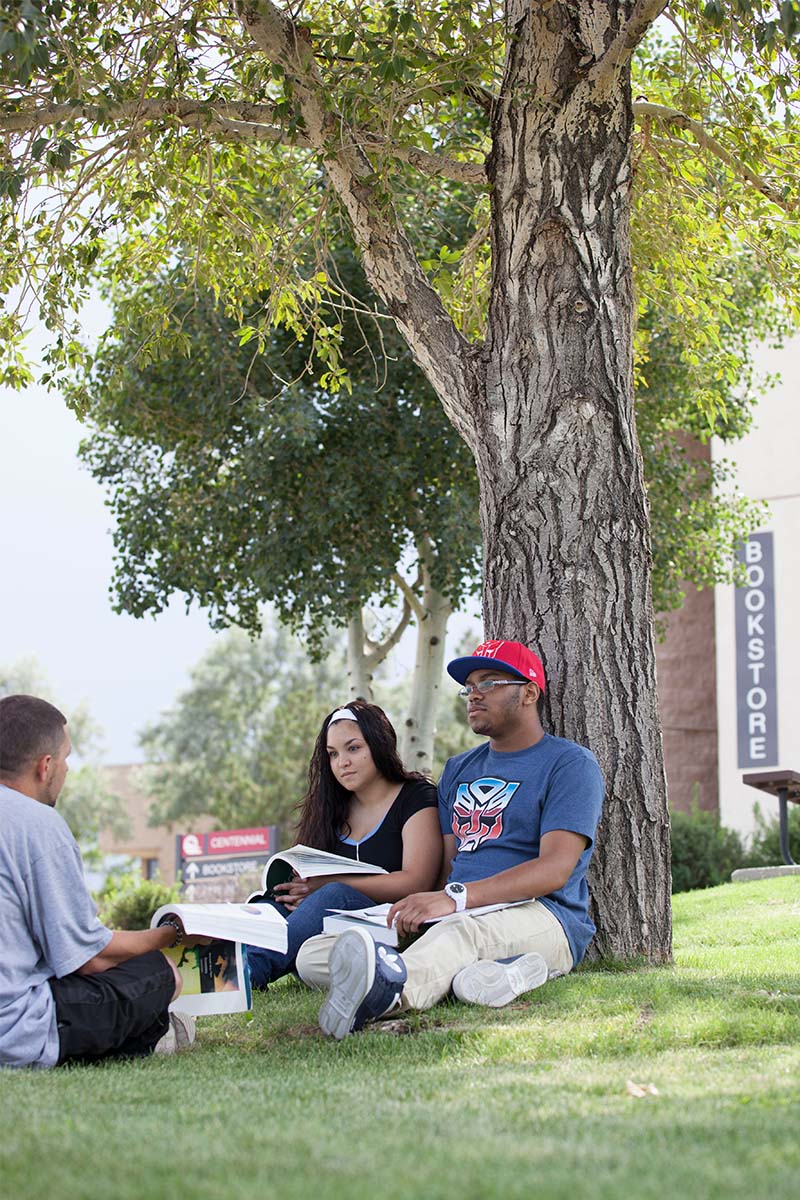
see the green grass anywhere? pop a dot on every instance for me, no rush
(460, 1103)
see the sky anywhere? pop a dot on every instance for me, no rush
(57, 563)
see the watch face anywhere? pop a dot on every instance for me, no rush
(458, 888)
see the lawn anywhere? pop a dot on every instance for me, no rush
(459, 1103)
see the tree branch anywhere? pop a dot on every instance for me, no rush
(634, 29)
(672, 116)
(241, 122)
(409, 596)
(379, 650)
(391, 266)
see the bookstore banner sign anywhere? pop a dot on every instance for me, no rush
(756, 674)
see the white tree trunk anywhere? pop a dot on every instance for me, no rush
(359, 675)
(419, 726)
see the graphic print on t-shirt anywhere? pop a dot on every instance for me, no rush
(478, 811)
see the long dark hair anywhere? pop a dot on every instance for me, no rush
(325, 807)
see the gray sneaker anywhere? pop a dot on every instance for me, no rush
(181, 1033)
(498, 983)
(367, 980)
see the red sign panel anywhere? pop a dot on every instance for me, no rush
(240, 841)
(229, 841)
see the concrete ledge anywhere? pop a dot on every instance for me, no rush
(745, 874)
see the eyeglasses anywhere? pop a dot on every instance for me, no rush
(486, 685)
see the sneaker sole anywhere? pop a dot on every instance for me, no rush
(496, 984)
(352, 970)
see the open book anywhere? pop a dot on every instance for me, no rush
(256, 924)
(308, 863)
(373, 919)
(215, 979)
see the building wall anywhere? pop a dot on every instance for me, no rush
(768, 468)
(687, 698)
(153, 847)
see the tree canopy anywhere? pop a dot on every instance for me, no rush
(241, 480)
(132, 127)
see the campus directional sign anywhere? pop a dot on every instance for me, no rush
(226, 864)
(197, 870)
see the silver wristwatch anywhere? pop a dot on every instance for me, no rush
(458, 894)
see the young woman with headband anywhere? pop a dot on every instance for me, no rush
(362, 803)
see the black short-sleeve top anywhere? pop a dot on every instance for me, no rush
(384, 845)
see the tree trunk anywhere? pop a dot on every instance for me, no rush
(417, 737)
(359, 675)
(564, 513)
(547, 404)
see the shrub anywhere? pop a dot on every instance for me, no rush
(704, 853)
(765, 844)
(128, 901)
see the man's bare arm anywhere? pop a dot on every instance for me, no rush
(559, 852)
(128, 943)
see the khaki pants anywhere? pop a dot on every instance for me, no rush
(445, 948)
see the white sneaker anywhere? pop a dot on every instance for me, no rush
(498, 983)
(181, 1033)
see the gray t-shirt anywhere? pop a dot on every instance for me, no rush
(48, 925)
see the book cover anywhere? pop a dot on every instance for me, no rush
(215, 978)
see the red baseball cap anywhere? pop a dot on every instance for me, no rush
(506, 656)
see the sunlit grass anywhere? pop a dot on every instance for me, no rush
(531, 1100)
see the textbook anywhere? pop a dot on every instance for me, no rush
(256, 924)
(215, 978)
(373, 919)
(308, 863)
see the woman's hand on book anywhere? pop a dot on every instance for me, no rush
(290, 894)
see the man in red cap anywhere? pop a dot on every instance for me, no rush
(518, 815)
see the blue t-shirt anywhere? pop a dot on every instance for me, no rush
(48, 925)
(498, 804)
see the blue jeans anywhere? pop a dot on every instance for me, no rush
(304, 922)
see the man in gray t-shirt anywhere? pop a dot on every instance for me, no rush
(57, 960)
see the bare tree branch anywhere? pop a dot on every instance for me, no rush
(240, 122)
(441, 351)
(644, 14)
(409, 595)
(672, 116)
(377, 651)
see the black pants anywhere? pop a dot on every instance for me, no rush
(122, 1011)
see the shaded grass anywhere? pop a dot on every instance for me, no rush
(461, 1101)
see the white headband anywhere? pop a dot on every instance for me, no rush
(343, 714)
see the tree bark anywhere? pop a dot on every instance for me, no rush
(564, 513)
(419, 726)
(359, 674)
(547, 404)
